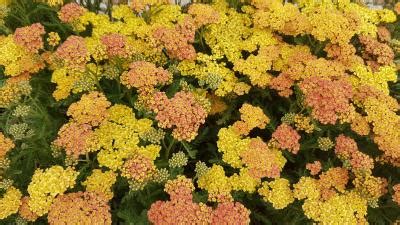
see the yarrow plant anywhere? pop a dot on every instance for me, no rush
(225, 112)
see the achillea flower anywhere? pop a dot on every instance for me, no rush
(251, 117)
(345, 146)
(138, 168)
(396, 188)
(344, 53)
(22, 111)
(370, 187)
(277, 192)
(90, 109)
(115, 45)
(360, 125)
(282, 83)
(180, 209)
(119, 130)
(101, 182)
(6, 145)
(25, 212)
(46, 184)
(30, 37)
(73, 52)
(178, 159)
(215, 181)
(145, 75)
(375, 52)
(303, 123)
(178, 41)
(263, 161)
(161, 176)
(306, 188)
(217, 104)
(140, 5)
(53, 39)
(327, 98)
(201, 168)
(20, 131)
(203, 14)
(13, 92)
(16, 59)
(10, 202)
(397, 8)
(231, 144)
(73, 138)
(347, 208)
(361, 162)
(325, 143)
(242, 181)
(182, 113)
(70, 12)
(384, 34)
(335, 179)
(287, 138)
(314, 167)
(80, 208)
(230, 213)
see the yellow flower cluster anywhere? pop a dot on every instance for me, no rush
(16, 59)
(251, 117)
(347, 208)
(303, 123)
(386, 124)
(6, 145)
(232, 146)
(214, 75)
(117, 137)
(47, 184)
(12, 92)
(277, 192)
(10, 202)
(379, 79)
(101, 182)
(215, 182)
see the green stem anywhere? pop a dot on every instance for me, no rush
(167, 151)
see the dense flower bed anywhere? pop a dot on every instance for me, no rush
(227, 112)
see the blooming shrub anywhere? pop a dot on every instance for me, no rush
(226, 112)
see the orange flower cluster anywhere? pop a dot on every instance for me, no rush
(203, 14)
(327, 98)
(30, 37)
(6, 145)
(375, 53)
(144, 75)
(282, 83)
(287, 138)
(332, 181)
(115, 45)
(314, 167)
(396, 189)
(91, 109)
(138, 168)
(73, 52)
(74, 138)
(251, 117)
(347, 150)
(183, 113)
(181, 209)
(80, 208)
(261, 161)
(25, 212)
(177, 41)
(70, 12)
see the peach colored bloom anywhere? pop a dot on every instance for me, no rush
(287, 138)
